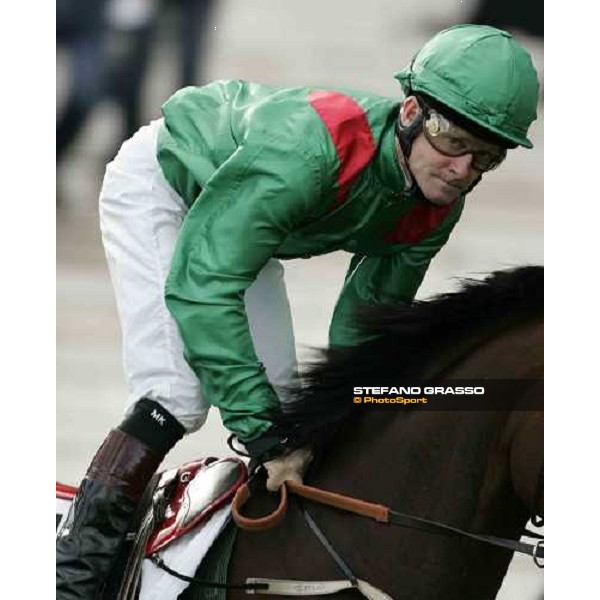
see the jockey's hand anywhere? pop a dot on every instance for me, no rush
(288, 467)
(273, 443)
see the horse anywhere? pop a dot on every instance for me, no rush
(472, 473)
(477, 470)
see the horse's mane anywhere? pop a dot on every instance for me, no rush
(408, 337)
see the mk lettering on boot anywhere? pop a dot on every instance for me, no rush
(157, 417)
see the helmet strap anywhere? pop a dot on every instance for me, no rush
(406, 135)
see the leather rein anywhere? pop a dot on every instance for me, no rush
(377, 512)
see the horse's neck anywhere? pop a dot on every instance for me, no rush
(397, 447)
(429, 464)
(515, 352)
(433, 464)
(448, 466)
(453, 467)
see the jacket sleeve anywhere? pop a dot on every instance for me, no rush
(383, 280)
(243, 214)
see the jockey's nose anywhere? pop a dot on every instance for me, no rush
(461, 165)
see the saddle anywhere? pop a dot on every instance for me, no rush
(181, 514)
(194, 492)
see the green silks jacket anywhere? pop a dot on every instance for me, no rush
(283, 173)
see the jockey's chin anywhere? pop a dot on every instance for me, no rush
(439, 191)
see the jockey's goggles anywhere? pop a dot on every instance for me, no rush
(451, 140)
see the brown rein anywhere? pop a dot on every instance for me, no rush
(378, 512)
(359, 507)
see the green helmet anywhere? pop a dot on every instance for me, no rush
(482, 73)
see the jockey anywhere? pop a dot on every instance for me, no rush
(199, 208)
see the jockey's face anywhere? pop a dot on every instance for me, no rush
(442, 178)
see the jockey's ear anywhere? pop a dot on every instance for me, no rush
(409, 110)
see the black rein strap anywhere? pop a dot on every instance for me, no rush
(534, 550)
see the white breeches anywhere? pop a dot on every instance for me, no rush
(140, 217)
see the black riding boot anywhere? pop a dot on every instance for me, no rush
(91, 538)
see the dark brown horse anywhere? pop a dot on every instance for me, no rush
(475, 470)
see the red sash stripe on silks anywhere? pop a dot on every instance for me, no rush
(349, 129)
(418, 223)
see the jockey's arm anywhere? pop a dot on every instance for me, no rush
(243, 214)
(387, 279)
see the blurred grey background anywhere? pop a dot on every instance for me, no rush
(144, 52)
